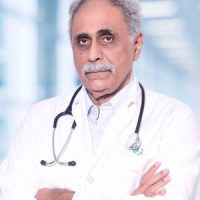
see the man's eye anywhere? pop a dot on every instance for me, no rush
(83, 41)
(107, 39)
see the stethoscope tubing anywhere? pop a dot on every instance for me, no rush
(137, 129)
(135, 146)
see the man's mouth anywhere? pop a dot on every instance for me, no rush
(98, 71)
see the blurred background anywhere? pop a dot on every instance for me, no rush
(36, 59)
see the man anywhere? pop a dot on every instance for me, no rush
(101, 163)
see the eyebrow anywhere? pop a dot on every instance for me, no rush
(82, 35)
(101, 32)
(106, 32)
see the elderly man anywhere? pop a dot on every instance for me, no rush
(116, 140)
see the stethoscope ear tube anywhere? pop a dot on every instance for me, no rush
(68, 111)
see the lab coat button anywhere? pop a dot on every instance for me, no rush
(90, 179)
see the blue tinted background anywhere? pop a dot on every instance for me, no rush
(36, 59)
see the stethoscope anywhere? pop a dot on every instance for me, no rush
(133, 143)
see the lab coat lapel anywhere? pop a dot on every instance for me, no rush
(124, 119)
(121, 120)
(80, 116)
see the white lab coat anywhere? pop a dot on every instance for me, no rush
(169, 134)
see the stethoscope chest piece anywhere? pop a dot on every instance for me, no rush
(133, 142)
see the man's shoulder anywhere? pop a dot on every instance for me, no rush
(160, 101)
(53, 104)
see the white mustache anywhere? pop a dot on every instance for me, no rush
(94, 67)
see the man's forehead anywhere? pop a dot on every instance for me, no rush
(99, 21)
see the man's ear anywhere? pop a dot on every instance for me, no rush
(138, 42)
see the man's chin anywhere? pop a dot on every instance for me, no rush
(97, 87)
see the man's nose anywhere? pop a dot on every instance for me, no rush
(95, 53)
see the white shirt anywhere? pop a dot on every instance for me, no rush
(169, 134)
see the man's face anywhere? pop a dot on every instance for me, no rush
(100, 35)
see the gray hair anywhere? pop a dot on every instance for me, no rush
(131, 10)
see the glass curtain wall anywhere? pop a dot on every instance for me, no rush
(35, 59)
(18, 57)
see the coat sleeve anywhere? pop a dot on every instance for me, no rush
(179, 152)
(18, 171)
